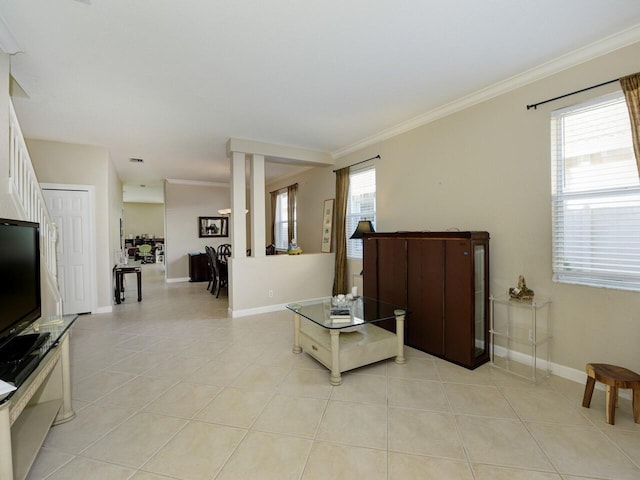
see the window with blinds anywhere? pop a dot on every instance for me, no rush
(361, 205)
(282, 221)
(595, 196)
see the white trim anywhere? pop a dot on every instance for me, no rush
(257, 310)
(91, 190)
(108, 309)
(199, 183)
(264, 309)
(589, 52)
(294, 155)
(556, 369)
(177, 280)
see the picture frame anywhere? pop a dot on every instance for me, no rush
(327, 225)
(213, 227)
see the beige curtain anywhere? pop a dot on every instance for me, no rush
(274, 199)
(340, 283)
(292, 192)
(631, 89)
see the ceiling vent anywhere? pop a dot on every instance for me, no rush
(136, 160)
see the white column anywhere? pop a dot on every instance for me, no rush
(258, 210)
(238, 206)
(66, 412)
(6, 461)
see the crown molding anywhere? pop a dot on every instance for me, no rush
(584, 54)
(197, 183)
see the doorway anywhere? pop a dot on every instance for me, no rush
(70, 209)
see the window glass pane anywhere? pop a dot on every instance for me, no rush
(598, 153)
(360, 206)
(596, 196)
(281, 225)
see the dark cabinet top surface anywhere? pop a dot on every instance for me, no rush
(430, 235)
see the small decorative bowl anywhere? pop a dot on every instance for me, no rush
(340, 301)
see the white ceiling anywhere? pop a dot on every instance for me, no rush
(171, 81)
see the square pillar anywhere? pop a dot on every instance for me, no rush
(258, 211)
(238, 206)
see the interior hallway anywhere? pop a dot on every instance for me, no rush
(172, 388)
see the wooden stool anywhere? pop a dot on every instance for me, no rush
(614, 378)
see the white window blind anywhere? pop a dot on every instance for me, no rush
(595, 196)
(360, 206)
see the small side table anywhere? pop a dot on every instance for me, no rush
(518, 332)
(119, 271)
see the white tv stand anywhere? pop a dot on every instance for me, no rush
(44, 399)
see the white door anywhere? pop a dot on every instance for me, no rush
(69, 210)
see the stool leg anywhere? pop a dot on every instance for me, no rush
(636, 403)
(588, 391)
(612, 394)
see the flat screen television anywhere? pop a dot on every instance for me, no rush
(20, 301)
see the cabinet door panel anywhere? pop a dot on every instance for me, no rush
(425, 290)
(458, 334)
(390, 273)
(370, 268)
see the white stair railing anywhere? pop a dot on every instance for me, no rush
(25, 187)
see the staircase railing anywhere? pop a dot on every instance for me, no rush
(24, 185)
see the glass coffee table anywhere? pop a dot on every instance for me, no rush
(351, 341)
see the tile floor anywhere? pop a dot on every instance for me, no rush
(171, 388)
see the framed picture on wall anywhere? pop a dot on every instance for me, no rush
(213, 227)
(327, 225)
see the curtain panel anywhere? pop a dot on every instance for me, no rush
(631, 88)
(292, 192)
(274, 199)
(340, 283)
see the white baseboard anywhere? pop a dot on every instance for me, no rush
(177, 280)
(578, 376)
(264, 309)
(106, 309)
(257, 310)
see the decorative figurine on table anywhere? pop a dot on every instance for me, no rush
(294, 249)
(521, 292)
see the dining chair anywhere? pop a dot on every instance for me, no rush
(222, 275)
(213, 279)
(224, 252)
(144, 251)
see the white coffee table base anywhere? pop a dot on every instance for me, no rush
(340, 352)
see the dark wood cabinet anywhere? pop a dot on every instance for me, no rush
(442, 279)
(198, 267)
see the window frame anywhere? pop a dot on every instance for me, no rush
(282, 198)
(355, 247)
(591, 264)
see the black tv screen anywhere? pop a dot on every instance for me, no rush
(20, 302)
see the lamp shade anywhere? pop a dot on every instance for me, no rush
(364, 226)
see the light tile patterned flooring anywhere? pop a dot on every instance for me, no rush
(173, 388)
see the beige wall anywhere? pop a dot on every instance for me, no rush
(183, 205)
(143, 218)
(314, 187)
(488, 168)
(69, 164)
(287, 278)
